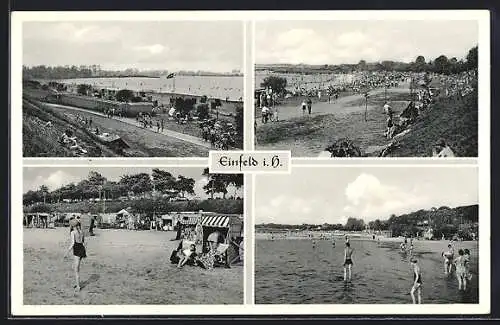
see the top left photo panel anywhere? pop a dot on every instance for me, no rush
(131, 88)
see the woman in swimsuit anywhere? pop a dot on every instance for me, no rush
(417, 282)
(79, 252)
(348, 261)
(461, 271)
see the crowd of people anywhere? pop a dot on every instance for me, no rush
(220, 134)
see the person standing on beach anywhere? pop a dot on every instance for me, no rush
(417, 282)
(78, 247)
(304, 106)
(348, 262)
(309, 105)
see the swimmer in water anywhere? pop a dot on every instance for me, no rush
(448, 259)
(348, 261)
(461, 271)
(410, 250)
(467, 261)
(402, 246)
(417, 282)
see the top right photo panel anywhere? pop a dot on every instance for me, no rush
(377, 88)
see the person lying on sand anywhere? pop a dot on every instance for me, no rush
(442, 149)
(188, 254)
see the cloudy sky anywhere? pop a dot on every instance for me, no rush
(335, 42)
(34, 177)
(331, 195)
(181, 45)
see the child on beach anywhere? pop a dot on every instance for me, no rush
(417, 282)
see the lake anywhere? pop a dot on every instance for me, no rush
(211, 86)
(292, 271)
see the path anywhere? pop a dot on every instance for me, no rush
(339, 106)
(169, 133)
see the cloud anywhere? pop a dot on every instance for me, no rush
(368, 198)
(52, 181)
(289, 209)
(153, 49)
(171, 45)
(336, 42)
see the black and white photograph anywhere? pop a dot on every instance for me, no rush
(131, 88)
(132, 236)
(368, 235)
(367, 88)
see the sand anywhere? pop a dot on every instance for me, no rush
(122, 267)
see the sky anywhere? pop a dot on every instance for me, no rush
(34, 177)
(331, 195)
(118, 45)
(337, 42)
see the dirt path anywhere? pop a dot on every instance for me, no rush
(340, 106)
(169, 133)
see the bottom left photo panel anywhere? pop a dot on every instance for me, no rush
(132, 236)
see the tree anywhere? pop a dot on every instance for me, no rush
(138, 183)
(361, 65)
(277, 84)
(472, 58)
(239, 119)
(217, 183)
(184, 185)
(354, 224)
(203, 111)
(162, 180)
(44, 191)
(124, 95)
(83, 89)
(441, 64)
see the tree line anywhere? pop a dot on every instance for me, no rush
(96, 186)
(441, 64)
(95, 70)
(444, 220)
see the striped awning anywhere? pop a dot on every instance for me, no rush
(189, 220)
(215, 221)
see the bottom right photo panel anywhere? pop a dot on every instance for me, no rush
(367, 235)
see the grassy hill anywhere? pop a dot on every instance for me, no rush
(453, 119)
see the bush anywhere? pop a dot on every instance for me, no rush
(202, 111)
(124, 95)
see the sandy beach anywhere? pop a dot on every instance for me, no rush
(122, 267)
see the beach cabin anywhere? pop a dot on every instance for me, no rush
(169, 221)
(188, 222)
(230, 228)
(39, 220)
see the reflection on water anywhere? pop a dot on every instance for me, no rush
(295, 272)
